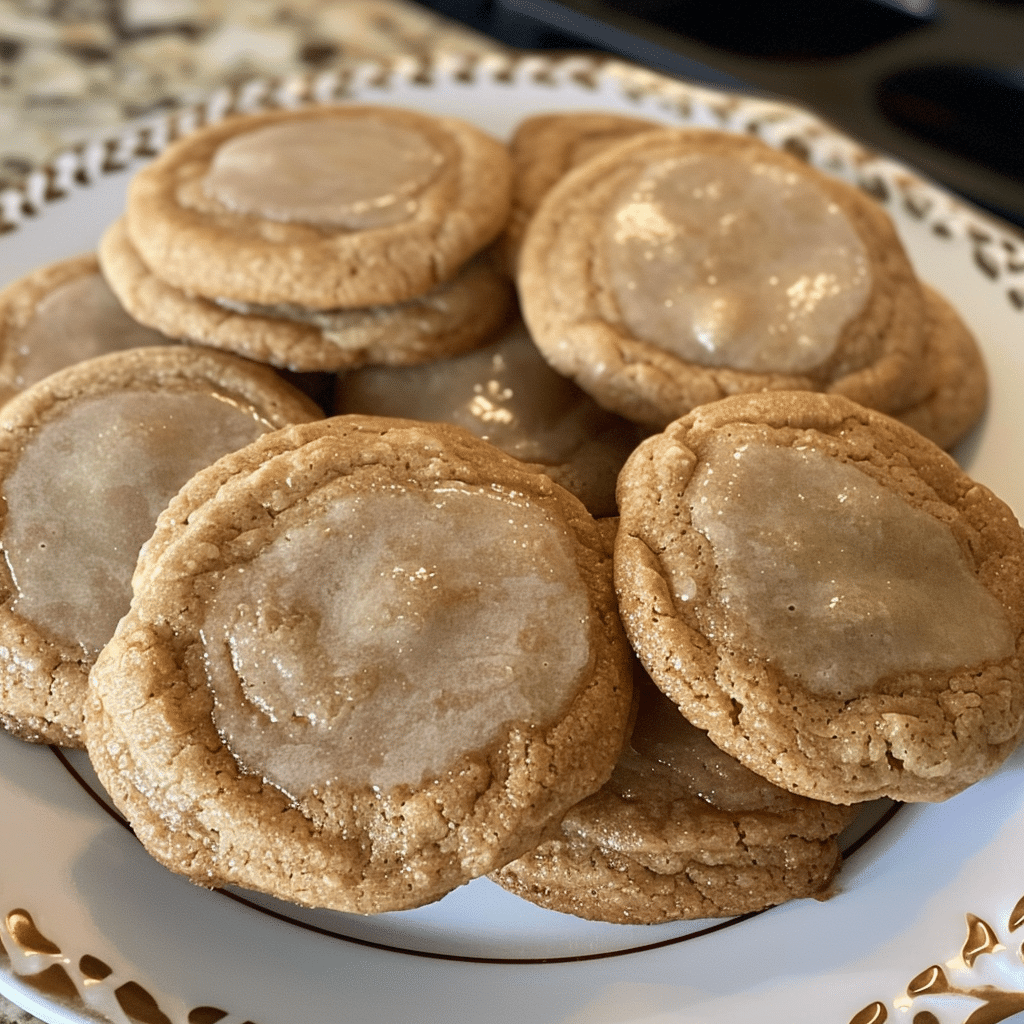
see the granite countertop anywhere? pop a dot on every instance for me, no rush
(76, 69)
(71, 70)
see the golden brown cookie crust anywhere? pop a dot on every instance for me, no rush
(958, 395)
(574, 318)
(545, 147)
(43, 678)
(587, 881)
(912, 736)
(217, 253)
(155, 747)
(634, 854)
(453, 318)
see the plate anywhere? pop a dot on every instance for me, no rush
(925, 924)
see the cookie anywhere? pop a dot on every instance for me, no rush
(319, 695)
(682, 266)
(680, 831)
(827, 594)
(958, 394)
(453, 317)
(324, 207)
(507, 394)
(61, 314)
(545, 147)
(88, 457)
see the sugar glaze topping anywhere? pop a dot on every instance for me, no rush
(396, 632)
(727, 263)
(678, 761)
(79, 319)
(352, 172)
(86, 492)
(832, 577)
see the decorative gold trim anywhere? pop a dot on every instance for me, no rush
(929, 989)
(90, 986)
(876, 1013)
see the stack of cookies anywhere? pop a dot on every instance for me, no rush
(628, 603)
(319, 239)
(680, 830)
(664, 268)
(367, 660)
(838, 612)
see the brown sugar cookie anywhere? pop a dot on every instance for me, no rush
(827, 594)
(453, 317)
(680, 831)
(325, 207)
(507, 394)
(88, 457)
(61, 314)
(958, 394)
(682, 266)
(366, 661)
(546, 146)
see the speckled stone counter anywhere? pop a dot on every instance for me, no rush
(71, 70)
(75, 69)
(11, 1014)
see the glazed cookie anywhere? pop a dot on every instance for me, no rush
(61, 314)
(958, 394)
(545, 147)
(684, 265)
(827, 594)
(88, 458)
(507, 394)
(452, 318)
(367, 660)
(324, 207)
(680, 831)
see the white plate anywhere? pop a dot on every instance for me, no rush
(932, 901)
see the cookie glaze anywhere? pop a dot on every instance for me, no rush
(504, 393)
(507, 394)
(78, 319)
(669, 760)
(732, 263)
(400, 629)
(115, 461)
(354, 172)
(836, 580)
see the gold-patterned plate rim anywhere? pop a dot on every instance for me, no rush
(89, 985)
(927, 996)
(86, 984)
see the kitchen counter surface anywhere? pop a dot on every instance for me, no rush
(76, 69)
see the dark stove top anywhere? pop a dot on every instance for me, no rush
(936, 83)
